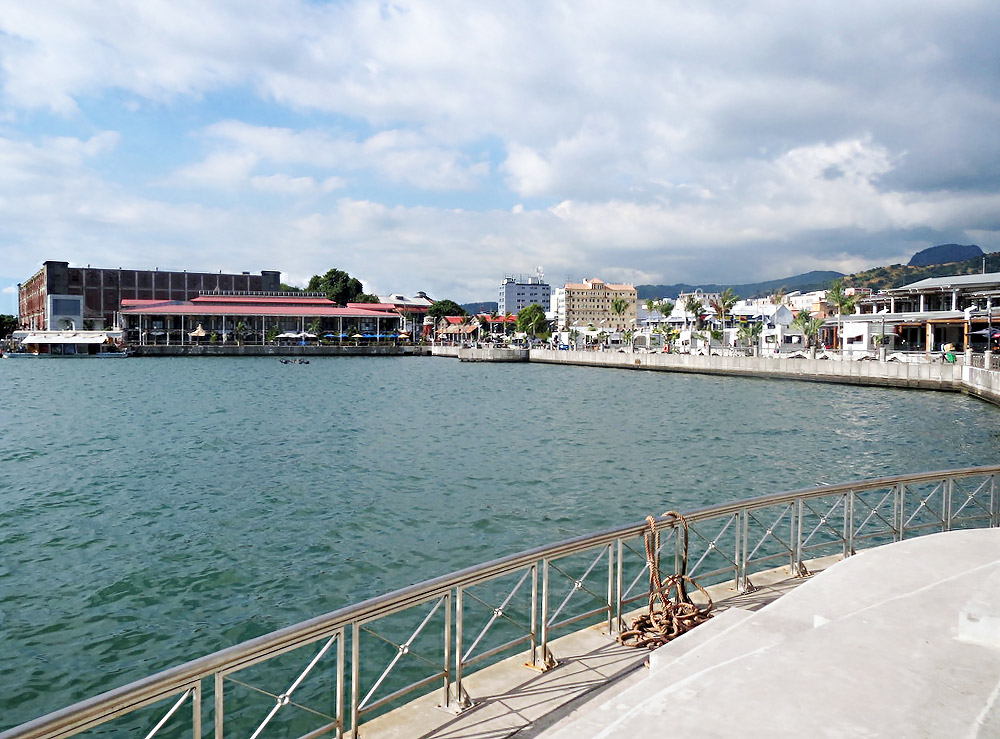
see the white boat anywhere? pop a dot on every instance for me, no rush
(66, 344)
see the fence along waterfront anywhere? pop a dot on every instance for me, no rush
(416, 637)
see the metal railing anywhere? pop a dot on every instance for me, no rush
(420, 635)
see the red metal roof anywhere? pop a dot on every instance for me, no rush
(384, 307)
(261, 300)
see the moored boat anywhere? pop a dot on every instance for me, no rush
(62, 344)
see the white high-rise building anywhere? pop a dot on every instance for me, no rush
(517, 292)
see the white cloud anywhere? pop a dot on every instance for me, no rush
(653, 139)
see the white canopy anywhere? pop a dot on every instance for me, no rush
(65, 337)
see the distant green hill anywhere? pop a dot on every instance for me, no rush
(897, 275)
(944, 254)
(816, 280)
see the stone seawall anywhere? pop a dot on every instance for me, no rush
(219, 350)
(981, 383)
(493, 355)
(930, 376)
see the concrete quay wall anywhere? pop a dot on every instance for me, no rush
(493, 355)
(271, 350)
(929, 376)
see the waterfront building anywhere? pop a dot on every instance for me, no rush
(413, 310)
(62, 297)
(456, 328)
(589, 303)
(497, 324)
(960, 310)
(517, 292)
(256, 318)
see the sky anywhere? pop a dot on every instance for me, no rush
(440, 146)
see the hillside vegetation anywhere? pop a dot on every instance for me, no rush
(897, 275)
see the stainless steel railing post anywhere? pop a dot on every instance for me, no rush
(459, 621)
(619, 584)
(220, 710)
(796, 537)
(196, 711)
(741, 557)
(341, 638)
(898, 522)
(355, 677)
(544, 645)
(995, 502)
(447, 649)
(534, 614)
(611, 586)
(946, 509)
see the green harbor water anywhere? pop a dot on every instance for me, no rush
(154, 510)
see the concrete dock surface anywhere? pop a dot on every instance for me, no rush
(900, 640)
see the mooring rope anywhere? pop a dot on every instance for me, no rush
(671, 610)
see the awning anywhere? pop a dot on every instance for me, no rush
(64, 339)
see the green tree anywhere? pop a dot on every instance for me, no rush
(531, 320)
(8, 324)
(665, 307)
(749, 333)
(289, 288)
(442, 308)
(366, 298)
(694, 306)
(809, 326)
(337, 285)
(619, 306)
(724, 303)
(844, 303)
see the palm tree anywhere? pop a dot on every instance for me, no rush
(619, 306)
(665, 308)
(844, 302)
(809, 326)
(750, 332)
(695, 306)
(779, 296)
(723, 304)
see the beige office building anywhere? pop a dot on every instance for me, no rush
(589, 302)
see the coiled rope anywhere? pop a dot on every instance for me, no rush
(671, 610)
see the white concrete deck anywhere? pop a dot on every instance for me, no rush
(901, 640)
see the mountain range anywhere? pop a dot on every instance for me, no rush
(935, 261)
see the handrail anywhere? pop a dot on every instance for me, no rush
(188, 677)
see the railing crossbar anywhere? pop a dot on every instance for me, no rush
(769, 532)
(498, 612)
(713, 546)
(873, 511)
(401, 649)
(578, 584)
(823, 522)
(274, 696)
(168, 714)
